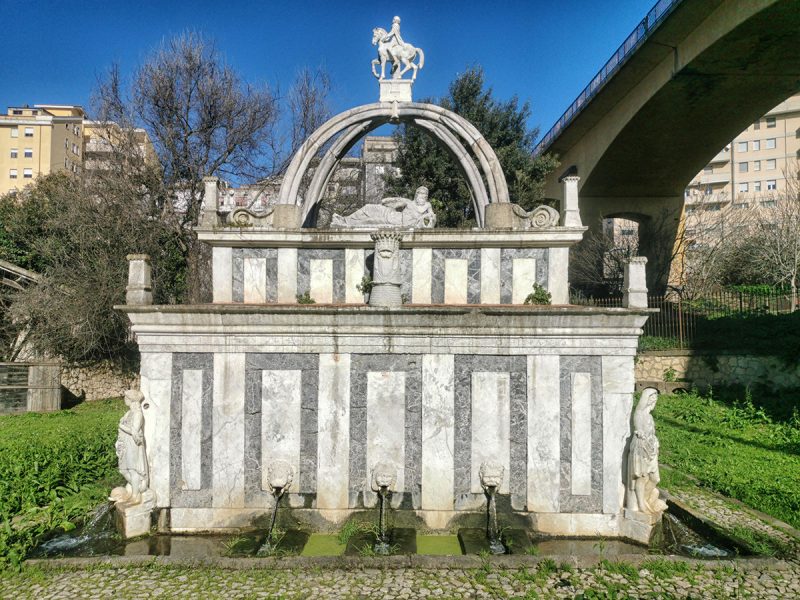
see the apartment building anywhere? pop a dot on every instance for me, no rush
(757, 167)
(39, 140)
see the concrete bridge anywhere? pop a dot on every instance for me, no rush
(692, 76)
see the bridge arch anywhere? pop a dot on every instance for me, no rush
(456, 134)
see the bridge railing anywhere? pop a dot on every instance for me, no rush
(645, 27)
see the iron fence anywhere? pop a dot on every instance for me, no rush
(678, 318)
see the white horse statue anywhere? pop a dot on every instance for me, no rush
(396, 53)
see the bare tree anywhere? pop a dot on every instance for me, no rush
(202, 118)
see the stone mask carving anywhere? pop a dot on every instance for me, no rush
(281, 475)
(383, 475)
(491, 475)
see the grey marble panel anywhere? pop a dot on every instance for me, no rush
(305, 482)
(473, 257)
(507, 256)
(360, 365)
(517, 368)
(568, 502)
(304, 257)
(271, 257)
(181, 498)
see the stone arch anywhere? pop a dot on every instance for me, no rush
(458, 135)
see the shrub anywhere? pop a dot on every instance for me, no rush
(53, 468)
(539, 296)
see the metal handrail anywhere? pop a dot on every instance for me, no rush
(643, 30)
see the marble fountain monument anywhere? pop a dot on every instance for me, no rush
(437, 375)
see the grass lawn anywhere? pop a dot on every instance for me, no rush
(745, 447)
(53, 469)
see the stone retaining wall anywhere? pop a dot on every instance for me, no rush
(102, 380)
(718, 369)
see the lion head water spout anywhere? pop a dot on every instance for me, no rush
(491, 477)
(280, 479)
(384, 476)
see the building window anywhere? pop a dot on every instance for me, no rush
(772, 184)
(757, 125)
(28, 152)
(29, 132)
(768, 204)
(756, 186)
(708, 190)
(756, 165)
(743, 187)
(27, 173)
(770, 145)
(740, 205)
(770, 122)
(12, 173)
(16, 111)
(756, 145)
(14, 153)
(74, 148)
(708, 169)
(742, 167)
(15, 132)
(741, 147)
(771, 164)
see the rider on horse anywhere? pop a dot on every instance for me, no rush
(394, 32)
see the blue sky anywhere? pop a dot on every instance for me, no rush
(542, 51)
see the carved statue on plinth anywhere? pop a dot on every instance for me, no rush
(392, 48)
(392, 212)
(386, 278)
(131, 451)
(134, 502)
(643, 473)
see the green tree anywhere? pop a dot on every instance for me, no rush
(423, 161)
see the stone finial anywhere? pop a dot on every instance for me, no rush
(139, 291)
(210, 201)
(570, 209)
(642, 495)
(634, 285)
(386, 277)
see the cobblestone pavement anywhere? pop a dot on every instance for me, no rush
(657, 578)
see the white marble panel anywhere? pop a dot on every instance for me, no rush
(618, 383)
(455, 280)
(280, 421)
(222, 274)
(228, 430)
(544, 434)
(255, 280)
(156, 385)
(421, 275)
(191, 428)
(491, 425)
(334, 432)
(581, 459)
(287, 275)
(354, 273)
(321, 280)
(522, 279)
(490, 276)
(437, 432)
(386, 423)
(557, 275)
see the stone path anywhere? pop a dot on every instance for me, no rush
(652, 579)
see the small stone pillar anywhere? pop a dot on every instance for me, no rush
(500, 215)
(139, 291)
(634, 286)
(286, 216)
(570, 211)
(386, 269)
(210, 202)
